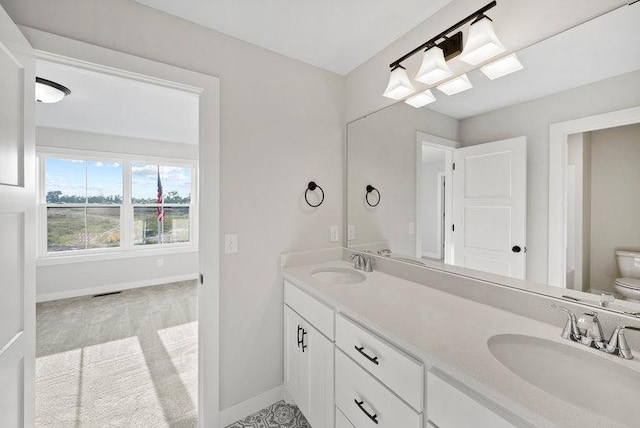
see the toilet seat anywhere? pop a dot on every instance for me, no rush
(631, 283)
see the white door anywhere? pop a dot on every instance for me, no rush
(17, 224)
(319, 349)
(489, 208)
(295, 361)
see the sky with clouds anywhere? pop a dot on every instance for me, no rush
(104, 178)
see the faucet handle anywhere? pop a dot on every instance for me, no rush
(619, 341)
(358, 260)
(570, 330)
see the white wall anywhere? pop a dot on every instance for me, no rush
(431, 209)
(382, 152)
(532, 119)
(76, 277)
(518, 23)
(615, 201)
(281, 126)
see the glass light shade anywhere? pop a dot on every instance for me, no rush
(457, 85)
(48, 91)
(507, 65)
(434, 68)
(421, 99)
(482, 43)
(399, 84)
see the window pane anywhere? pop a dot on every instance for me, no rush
(104, 182)
(175, 225)
(175, 183)
(65, 181)
(145, 225)
(65, 229)
(103, 227)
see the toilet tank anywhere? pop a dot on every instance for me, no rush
(628, 263)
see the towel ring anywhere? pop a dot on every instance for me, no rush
(371, 189)
(312, 186)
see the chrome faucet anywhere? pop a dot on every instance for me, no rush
(587, 330)
(360, 262)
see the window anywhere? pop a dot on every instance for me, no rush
(112, 204)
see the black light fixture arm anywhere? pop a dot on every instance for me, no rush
(431, 42)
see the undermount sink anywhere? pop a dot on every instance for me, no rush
(338, 275)
(574, 375)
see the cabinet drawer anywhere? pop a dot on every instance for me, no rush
(366, 402)
(448, 407)
(342, 421)
(317, 313)
(397, 370)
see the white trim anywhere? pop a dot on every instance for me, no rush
(114, 287)
(432, 256)
(424, 139)
(558, 134)
(250, 406)
(113, 254)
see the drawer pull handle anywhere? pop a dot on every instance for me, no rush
(373, 417)
(302, 339)
(299, 339)
(360, 349)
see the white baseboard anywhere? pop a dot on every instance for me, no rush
(250, 406)
(113, 287)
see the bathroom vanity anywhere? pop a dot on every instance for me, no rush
(375, 350)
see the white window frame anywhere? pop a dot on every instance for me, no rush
(127, 248)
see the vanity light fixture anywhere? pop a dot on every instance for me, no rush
(48, 91)
(481, 45)
(456, 85)
(421, 99)
(506, 65)
(399, 84)
(482, 42)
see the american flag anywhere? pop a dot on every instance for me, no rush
(160, 210)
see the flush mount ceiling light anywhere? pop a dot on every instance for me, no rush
(421, 99)
(434, 68)
(455, 86)
(507, 65)
(48, 91)
(481, 45)
(482, 42)
(399, 84)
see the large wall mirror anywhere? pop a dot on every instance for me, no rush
(533, 175)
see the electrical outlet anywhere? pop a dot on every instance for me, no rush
(412, 228)
(335, 233)
(231, 243)
(351, 232)
(160, 262)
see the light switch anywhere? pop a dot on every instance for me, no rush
(412, 228)
(231, 243)
(351, 232)
(335, 233)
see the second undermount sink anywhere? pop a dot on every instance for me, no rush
(338, 275)
(574, 375)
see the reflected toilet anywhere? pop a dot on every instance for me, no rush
(629, 265)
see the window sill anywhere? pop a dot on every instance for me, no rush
(59, 259)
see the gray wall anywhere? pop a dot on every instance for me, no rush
(281, 126)
(532, 119)
(615, 201)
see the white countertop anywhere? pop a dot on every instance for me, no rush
(450, 333)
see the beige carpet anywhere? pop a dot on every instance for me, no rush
(124, 360)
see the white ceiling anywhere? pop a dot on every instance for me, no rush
(337, 35)
(107, 104)
(604, 47)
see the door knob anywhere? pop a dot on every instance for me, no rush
(516, 249)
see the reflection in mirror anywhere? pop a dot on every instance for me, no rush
(483, 180)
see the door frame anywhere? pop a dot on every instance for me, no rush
(558, 137)
(429, 140)
(59, 49)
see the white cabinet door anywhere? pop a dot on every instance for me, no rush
(295, 361)
(17, 225)
(489, 207)
(308, 371)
